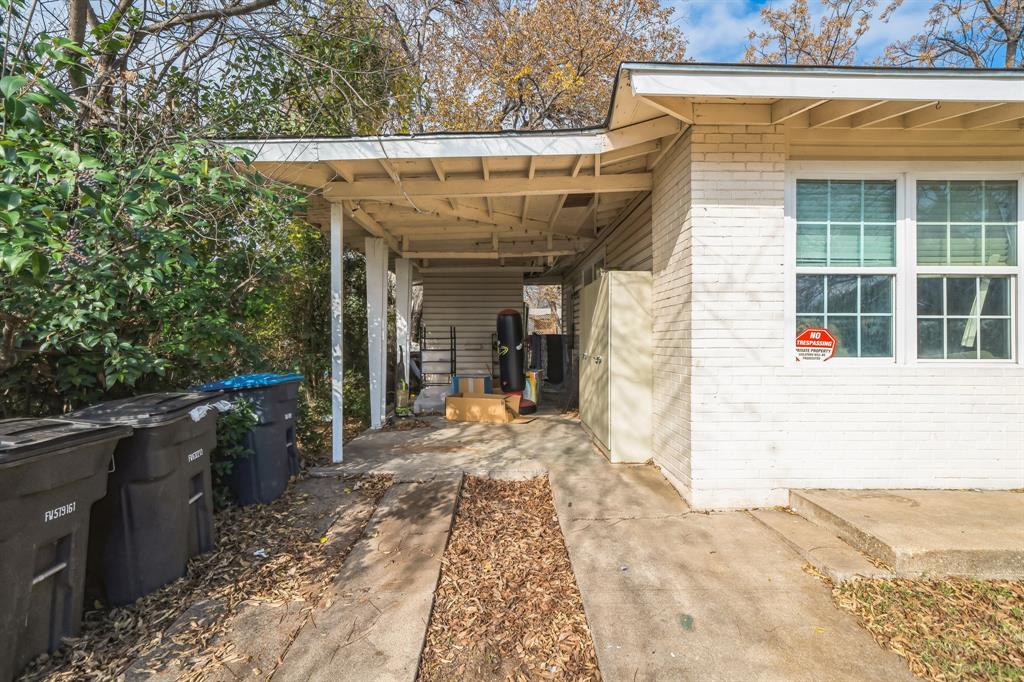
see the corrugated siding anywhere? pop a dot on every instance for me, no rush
(471, 302)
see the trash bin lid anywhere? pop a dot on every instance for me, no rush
(20, 438)
(250, 381)
(144, 411)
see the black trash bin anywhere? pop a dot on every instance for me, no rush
(158, 511)
(51, 472)
(263, 476)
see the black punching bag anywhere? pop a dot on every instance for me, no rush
(510, 351)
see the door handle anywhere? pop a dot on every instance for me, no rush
(597, 359)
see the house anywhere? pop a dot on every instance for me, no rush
(882, 205)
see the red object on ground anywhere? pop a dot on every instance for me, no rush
(815, 344)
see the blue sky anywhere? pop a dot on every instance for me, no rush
(717, 29)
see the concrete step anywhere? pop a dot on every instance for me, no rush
(925, 532)
(373, 621)
(820, 548)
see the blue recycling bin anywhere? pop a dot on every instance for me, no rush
(262, 477)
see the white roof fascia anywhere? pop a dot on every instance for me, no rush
(740, 81)
(426, 146)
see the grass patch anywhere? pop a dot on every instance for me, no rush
(946, 629)
(507, 606)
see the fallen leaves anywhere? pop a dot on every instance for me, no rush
(946, 629)
(274, 553)
(507, 606)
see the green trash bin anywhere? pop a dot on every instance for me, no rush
(51, 473)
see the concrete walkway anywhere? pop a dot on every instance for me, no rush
(669, 594)
(375, 616)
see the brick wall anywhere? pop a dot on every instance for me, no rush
(738, 426)
(735, 425)
(671, 264)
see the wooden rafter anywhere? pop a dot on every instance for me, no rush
(943, 111)
(886, 112)
(785, 109)
(836, 110)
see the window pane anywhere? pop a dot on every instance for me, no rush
(810, 294)
(932, 202)
(809, 322)
(965, 245)
(965, 201)
(1001, 202)
(995, 295)
(812, 201)
(810, 244)
(995, 339)
(1001, 245)
(929, 339)
(845, 201)
(879, 245)
(929, 296)
(961, 339)
(876, 294)
(880, 201)
(845, 247)
(960, 295)
(845, 330)
(842, 294)
(931, 244)
(876, 337)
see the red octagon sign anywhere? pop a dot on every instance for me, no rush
(815, 344)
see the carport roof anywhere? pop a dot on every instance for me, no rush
(527, 199)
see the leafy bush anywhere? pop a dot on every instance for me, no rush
(232, 427)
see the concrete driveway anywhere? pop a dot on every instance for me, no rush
(669, 594)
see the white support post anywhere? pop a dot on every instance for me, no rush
(337, 318)
(403, 315)
(377, 326)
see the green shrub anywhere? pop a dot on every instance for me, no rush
(232, 427)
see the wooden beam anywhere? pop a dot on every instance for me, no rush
(343, 169)
(495, 187)
(487, 255)
(367, 222)
(943, 111)
(664, 150)
(786, 109)
(677, 107)
(641, 132)
(485, 169)
(439, 208)
(1004, 113)
(438, 169)
(455, 269)
(531, 170)
(838, 109)
(886, 112)
(390, 170)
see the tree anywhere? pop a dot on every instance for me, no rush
(972, 33)
(792, 36)
(525, 64)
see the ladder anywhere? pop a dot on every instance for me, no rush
(438, 355)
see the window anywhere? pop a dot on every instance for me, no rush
(844, 227)
(972, 225)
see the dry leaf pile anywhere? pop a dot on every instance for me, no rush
(274, 553)
(405, 424)
(946, 629)
(507, 605)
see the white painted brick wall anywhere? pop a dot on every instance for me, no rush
(753, 427)
(671, 261)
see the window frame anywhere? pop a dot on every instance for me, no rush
(906, 271)
(831, 172)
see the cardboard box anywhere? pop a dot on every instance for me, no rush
(471, 384)
(488, 408)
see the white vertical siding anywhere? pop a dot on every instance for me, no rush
(471, 302)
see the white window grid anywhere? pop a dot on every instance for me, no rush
(983, 224)
(907, 175)
(829, 224)
(976, 317)
(858, 315)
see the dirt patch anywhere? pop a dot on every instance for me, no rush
(406, 424)
(946, 629)
(507, 606)
(277, 553)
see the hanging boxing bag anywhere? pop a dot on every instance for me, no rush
(511, 358)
